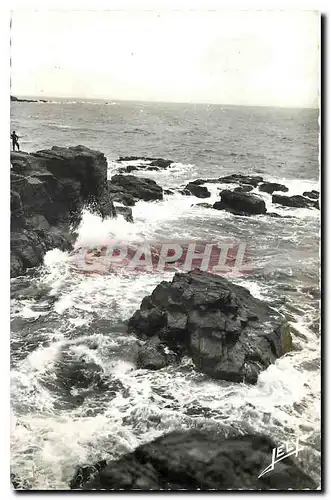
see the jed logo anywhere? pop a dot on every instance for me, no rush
(278, 454)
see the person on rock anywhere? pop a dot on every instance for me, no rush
(14, 138)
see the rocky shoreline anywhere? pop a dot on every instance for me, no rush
(228, 334)
(49, 189)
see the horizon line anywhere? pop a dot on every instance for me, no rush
(111, 99)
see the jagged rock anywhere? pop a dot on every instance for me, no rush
(16, 99)
(85, 474)
(240, 203)
(270, 187)
(126, 212)
(243, 189)
(204, 205)
(253, 180)
(154, 355)
(153, 163)
(296, 201)
(48, 191)
(312, 194)
(229, 334)
(17, 218)
(273, 214)
(120, 197)
(198, 460)
(139, 188)
(198, 191)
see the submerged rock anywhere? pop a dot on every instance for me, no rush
(239, 203)
(196, 190)
(136, 188)
(229, 334)
(151, 163)
(126, 212)
(296, 201)
(197, 460)
(49, 188)
(270, 187)
(253, 180)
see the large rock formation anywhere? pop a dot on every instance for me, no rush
(196, 460)
(48, 191)
(127, 189)
(239, 203)
(229, 334)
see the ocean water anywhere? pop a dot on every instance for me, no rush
(60, 317)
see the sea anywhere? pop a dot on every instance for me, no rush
(61, 318)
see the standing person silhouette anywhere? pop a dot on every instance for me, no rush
(15, 138)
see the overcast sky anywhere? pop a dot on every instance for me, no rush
(228, 57)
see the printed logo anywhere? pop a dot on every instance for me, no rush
(279, 453)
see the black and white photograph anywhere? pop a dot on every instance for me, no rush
(165, 249)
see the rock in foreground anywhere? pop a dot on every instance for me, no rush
(239, 203)
(229, 334)
(193, 460)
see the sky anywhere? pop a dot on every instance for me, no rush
(230, 57)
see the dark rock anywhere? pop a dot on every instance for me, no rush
(86, 473)
(240, 203)
(139, 188)
(204, 205)
(17, 218)
(296, 201)
(153, 163)
(16, 99)
(243, 189)
(197, 460)
(128, 169)
(126, 212)
(198, 191)
(120, 196)
(49, 189)
(277, 216)
(270, 187)
(16, 266)
(168, 191)
(229, 334)
(253, 180)
(312, 194)
(273, 214)
(154, 356)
